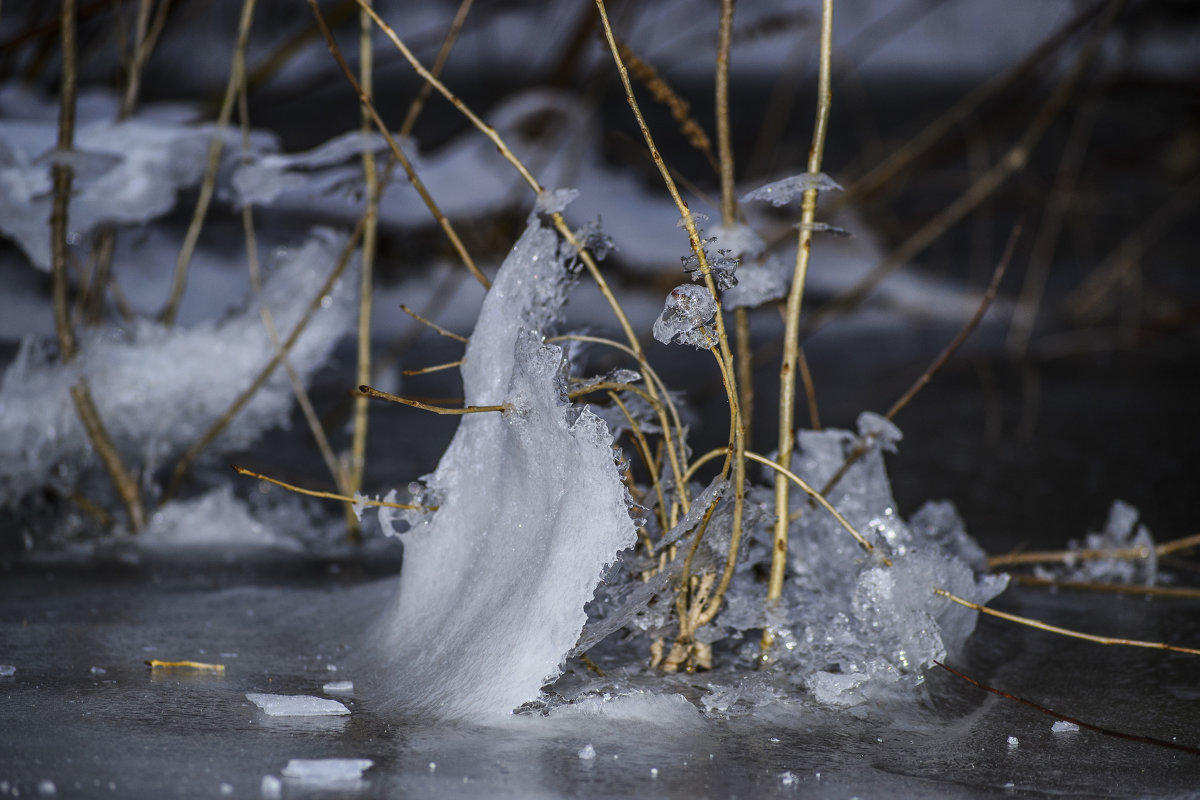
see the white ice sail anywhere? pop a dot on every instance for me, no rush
(531, 509)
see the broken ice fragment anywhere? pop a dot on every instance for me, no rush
(782, 191)
(326, 770)
(1062, 726)
(587, 752)
(338, 687)
(686, 316)
(553, 201)
(271, 787)
(299, 705)
(7, 670)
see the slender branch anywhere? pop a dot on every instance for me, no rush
(331, 495)
(791, 336)
(368, 391)
(397, 153)
(430, 323)
(208, 185)
(89, 417)
(1044, 626)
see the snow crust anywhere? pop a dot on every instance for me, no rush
(158, 389)
(531, 509)
(1122, 531)
(126, 172)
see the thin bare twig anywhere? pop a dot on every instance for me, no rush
(405, 401)
(791, 335)
(1043, 626)
(89, 417)
(208, 185)
(331, 495)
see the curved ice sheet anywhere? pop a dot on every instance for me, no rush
(531, 509)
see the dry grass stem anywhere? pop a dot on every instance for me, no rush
(791, 335)
(1043, 626)
(965, 332)
(208, 185)
(434, 368)
(405, 401)
(331, 495)
(123, 481)
(1066, 556)
(397, 153)
(430, 323)
(663, 93)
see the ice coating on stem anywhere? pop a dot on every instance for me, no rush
(532, 509)
(783, 191)
(686, 316)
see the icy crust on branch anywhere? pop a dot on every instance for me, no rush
(761, 277)
(853, 628)
(532, 509)
(784, 191)
(686, 317)
(159, 389)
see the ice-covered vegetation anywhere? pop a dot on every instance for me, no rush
(568, 521)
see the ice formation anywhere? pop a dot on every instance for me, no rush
(326, 770)
(686, 316)
(783, 191)
(159, 389)
(296, 705)
(531, 509)
(126, 172)
(216, 518)
(855, 626)
(761, 277)
(264, 177)
(1121, 533)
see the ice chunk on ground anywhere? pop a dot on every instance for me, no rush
(297, 705)
(271, 787)
(338, 687)
(159, 389)
(781, 192)
(531, 510)
(587, 752)
(686, 316)
(7, 670)
(216, 518)
(1062, 726)
(326, 770)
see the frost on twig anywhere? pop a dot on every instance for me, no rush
(686, 317)
(782, 192)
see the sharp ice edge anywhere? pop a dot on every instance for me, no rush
(761, 277)
(158, 389)
(297, 705)
(783, 191)
(493, 587)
